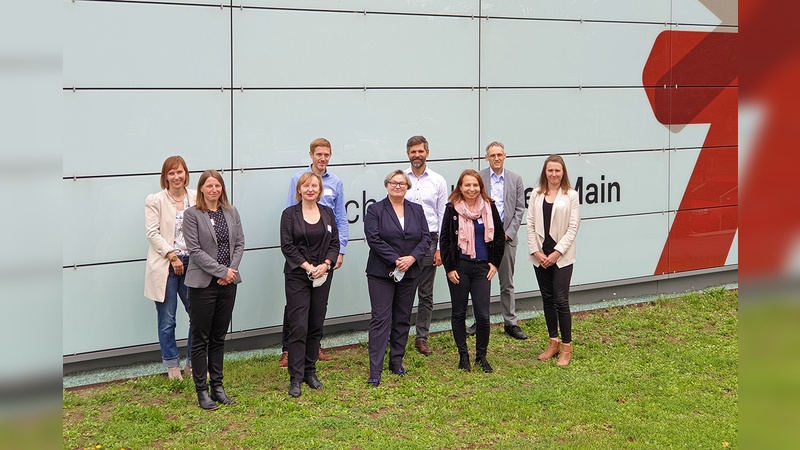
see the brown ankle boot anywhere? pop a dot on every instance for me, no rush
(550, 351)
(566, 354)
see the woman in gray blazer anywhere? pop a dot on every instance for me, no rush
(214, 237)
(310, 244)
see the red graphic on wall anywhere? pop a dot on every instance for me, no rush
(692, 78)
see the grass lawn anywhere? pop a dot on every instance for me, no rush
(658, 375)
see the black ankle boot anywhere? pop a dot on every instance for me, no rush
(218, 395)
(463, 362)
(483, 364)
(205, 401)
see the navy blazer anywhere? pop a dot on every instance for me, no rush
(201, 241)
(448, 239)
(388, 241)
(294, 241)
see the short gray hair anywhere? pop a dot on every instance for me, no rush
(495, 144)
(394, 173)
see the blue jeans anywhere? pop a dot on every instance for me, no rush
(166, 317)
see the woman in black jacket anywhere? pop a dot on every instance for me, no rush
(310, 244)
(472, 244)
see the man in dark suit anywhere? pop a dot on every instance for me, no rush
(508, 191)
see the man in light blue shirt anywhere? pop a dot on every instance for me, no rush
(332, 197)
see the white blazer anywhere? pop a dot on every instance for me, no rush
(564, 222)
(159, 221)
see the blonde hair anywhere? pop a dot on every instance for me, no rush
(303, 180)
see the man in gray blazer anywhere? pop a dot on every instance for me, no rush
(508, 192)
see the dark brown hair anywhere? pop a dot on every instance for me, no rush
(416, 140)
(456, 194)
(201, 199)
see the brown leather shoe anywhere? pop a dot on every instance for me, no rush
(550, 351)
(323, 356)
(565, 356)
(422, 347)
(284, 361)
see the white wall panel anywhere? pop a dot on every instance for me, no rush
(551, 53)
(617, 248)
(545, 121)
(290, 48)
(105, 308)
(132, 45)
(638, 177)
(622, 10)
(410, 6)
(274, 128)
(116, 132)
(260, 296)
(106, 218)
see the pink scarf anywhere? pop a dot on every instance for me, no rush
(466, 230)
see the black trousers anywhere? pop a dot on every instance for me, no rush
(391, 320)
(306, 307)
(211, 311)
(554, 285)
(472, 275)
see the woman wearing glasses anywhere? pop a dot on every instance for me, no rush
(398, 238)
(310, 244)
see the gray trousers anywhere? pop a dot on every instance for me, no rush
(425, 292)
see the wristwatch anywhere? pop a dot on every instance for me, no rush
(174, 258)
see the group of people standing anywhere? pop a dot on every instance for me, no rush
(196, 244)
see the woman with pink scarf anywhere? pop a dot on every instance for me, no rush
(472, 243)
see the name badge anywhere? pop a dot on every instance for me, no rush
(330, 230)
(212, 223)
(480, 220)
(327, 192)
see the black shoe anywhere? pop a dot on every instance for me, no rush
(205, 401)
(515, 332)
(484, 365)
(398, 370)
(374, 382)
(294, 389)
(218, 395)
(313, 382)
(471, 330)
(463, 363)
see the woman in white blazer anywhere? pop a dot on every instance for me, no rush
(553, 221)
(167, 258)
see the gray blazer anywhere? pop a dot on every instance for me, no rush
(513, 201)
(201, 241)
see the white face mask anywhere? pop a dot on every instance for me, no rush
(396, 275)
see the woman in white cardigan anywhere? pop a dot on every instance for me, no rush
(553, 221)
(167, 258)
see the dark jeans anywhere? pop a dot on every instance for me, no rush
(306, 307)
(554, 286)
(166, 311)
(472, 280)
(391, 320)
(212, 308)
